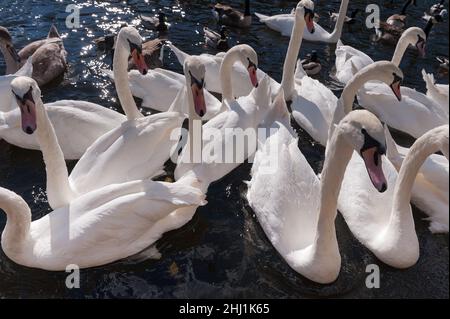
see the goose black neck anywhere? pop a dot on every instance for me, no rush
(428, 27)
(354, 13)
(247, 8)
(405, 6)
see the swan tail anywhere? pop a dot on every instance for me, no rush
(261, 17)
(180, 193)
(429, 79)
(26, 69)
(181, 56)
(53, 32)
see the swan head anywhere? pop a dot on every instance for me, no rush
(305, 10)
(365, 133)
(6, 44)
(26, 92)
(132, 41)
(417, 37)
(249, 58)
(195, 69)
(387, 72)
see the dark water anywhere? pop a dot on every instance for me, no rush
(222, 252)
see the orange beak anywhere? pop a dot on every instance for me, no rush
(139, 60)
(199, 100)
(253, 76)
(396, 89)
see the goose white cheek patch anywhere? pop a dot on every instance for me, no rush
(373, 162)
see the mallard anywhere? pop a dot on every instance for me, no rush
(216, 40)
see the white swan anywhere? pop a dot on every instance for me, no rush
(312, 102)
(241, 85)
(415, 114)
(135, 150)
(148, 87)
(297, 210)
(95, 229)
(7, 102)
(431, 187)
(350, 60)
(77, 124)
(273, 202)
(437, 92)
(284, 23)
(384, 223)
(243, 115)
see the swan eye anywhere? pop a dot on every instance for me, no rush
(251, 64)
(200, 84)
(134, 46)
(397, 78)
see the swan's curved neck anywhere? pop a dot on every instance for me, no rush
(18, 221)
(425, 146)
(195, 128)
(290, 62)
(351, 89)
(59, 192)
(338, 155)
(120, 66)
(400, 50)
(337, 32)
(12, 66)
(226, 69)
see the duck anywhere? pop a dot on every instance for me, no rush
(349, 60)
(240, 75)
(226, 15)
(7, 103)
(48, 55)
(155, 23)
(284, 24)
(123, 154)
(312, 103)
(348, 20)
(98, 228)
(311, 64)
(152, 50)
(245, 114)
(437, 92)
(216, 40)
(399, 20)
(295, 208)
(431, 185)
(384, 223)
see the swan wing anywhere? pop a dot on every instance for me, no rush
(284, 193)
(345, 57)
(135, 150)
